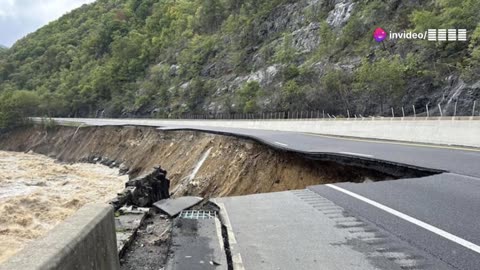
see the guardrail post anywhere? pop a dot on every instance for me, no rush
(348, 114)
(455, 110)
(473, 110)
(403, 112)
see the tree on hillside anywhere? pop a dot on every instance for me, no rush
(292, 96)
(382, 80)
(16, 106)
(473, 63)
(3, 50)
(286, 51)
(247, 97)
(209, 15)
(336, 86)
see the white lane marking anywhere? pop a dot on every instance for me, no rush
(218, 228)
(237, 262)
(236, 258)
(226, 220)
(281, 144)
(410, 219)
(356, 154)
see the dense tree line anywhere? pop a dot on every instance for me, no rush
(121, 58)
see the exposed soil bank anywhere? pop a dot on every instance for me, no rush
(198, 163)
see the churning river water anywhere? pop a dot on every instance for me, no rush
(37, 193)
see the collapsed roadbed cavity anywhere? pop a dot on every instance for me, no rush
(203, 164)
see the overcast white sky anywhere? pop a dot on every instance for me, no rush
(20, 17)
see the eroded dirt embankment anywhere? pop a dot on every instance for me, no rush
(198, 163)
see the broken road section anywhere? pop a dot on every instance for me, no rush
(173, 207)
(197, 244)
(302, 230)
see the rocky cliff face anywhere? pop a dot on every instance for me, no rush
(298, 25)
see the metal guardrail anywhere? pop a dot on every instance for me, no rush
(427, 112)
(434, 118)
(378, 118)
(460, 131)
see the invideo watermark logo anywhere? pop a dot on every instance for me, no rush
(379, 34)
(431, 35)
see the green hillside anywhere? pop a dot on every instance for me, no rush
(170, 57)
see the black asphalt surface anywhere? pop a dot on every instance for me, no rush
(449, 201)
(446, 201)
(464, 162)
(196, 246)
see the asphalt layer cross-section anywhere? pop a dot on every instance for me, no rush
(456, 160)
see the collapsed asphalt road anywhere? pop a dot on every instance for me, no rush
(417, 223)
(457, 249)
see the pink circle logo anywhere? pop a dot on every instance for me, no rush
(379, 34)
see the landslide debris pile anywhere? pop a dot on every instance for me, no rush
(199, 164)
(145, 190)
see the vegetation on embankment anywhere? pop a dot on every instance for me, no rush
(197, 163)
(164, 58)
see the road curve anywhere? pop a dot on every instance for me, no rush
(448, 202)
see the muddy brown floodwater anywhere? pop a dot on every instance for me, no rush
(37, 193)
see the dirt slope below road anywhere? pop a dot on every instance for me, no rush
(197, 163)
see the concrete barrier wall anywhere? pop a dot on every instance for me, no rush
(462, 132)
(84, 241)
